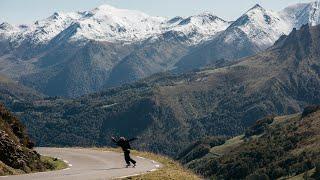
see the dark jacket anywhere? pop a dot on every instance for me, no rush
(124, 144)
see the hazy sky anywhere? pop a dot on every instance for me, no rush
(27, 11)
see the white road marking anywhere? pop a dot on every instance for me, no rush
(141, 157)
(3, 176)
(66, 169)
(152, 170)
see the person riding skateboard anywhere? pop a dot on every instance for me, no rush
(125, 145)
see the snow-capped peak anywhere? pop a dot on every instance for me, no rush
(104, 23)
(108, 23)
(6, 26)
(110, 11)
(257, 6)
(7, 30)
(302, 13)
(263, 27)
(198, 27)
(44, 30)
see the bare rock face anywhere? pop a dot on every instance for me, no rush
(17, 156)
(15, 145)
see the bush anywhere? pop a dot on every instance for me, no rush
(258, 177)
(259, 127)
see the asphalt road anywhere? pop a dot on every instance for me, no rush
(88, 164)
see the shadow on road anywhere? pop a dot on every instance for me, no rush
(107, 169)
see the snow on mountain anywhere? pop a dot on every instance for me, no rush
(103, 23)
(107, 23)
(199, 27)
(7, 30)
(302, 13)
(41, 31)
(6, 27)
(44, 30)
(261, 26)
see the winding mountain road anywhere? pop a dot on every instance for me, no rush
(88, 164)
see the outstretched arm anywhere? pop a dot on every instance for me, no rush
(132, 139)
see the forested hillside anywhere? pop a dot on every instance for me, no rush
(274, 147)
(12, 93)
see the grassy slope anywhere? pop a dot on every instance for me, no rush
(54, 164)
(170, 170)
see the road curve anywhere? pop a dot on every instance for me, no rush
(88, 164)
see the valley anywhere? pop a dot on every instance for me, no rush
(227, 99)
(168, 111)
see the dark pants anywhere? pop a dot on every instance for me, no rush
(127, 157)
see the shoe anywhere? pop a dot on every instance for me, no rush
(134, 165)
(128, 165)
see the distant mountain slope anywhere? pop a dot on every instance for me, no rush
(303, 13)
(74, 71)
(275, 147)
(13, 94)
(153, 56)
(168, 111)
(81, 52)
(253, 32)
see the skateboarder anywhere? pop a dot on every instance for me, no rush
(125, 145)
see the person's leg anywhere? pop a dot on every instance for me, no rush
(127, 157)
(131, 160)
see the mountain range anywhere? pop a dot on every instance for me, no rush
(167, 111)
(72, 54)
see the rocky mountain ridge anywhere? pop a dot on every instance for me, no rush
(71, 54)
